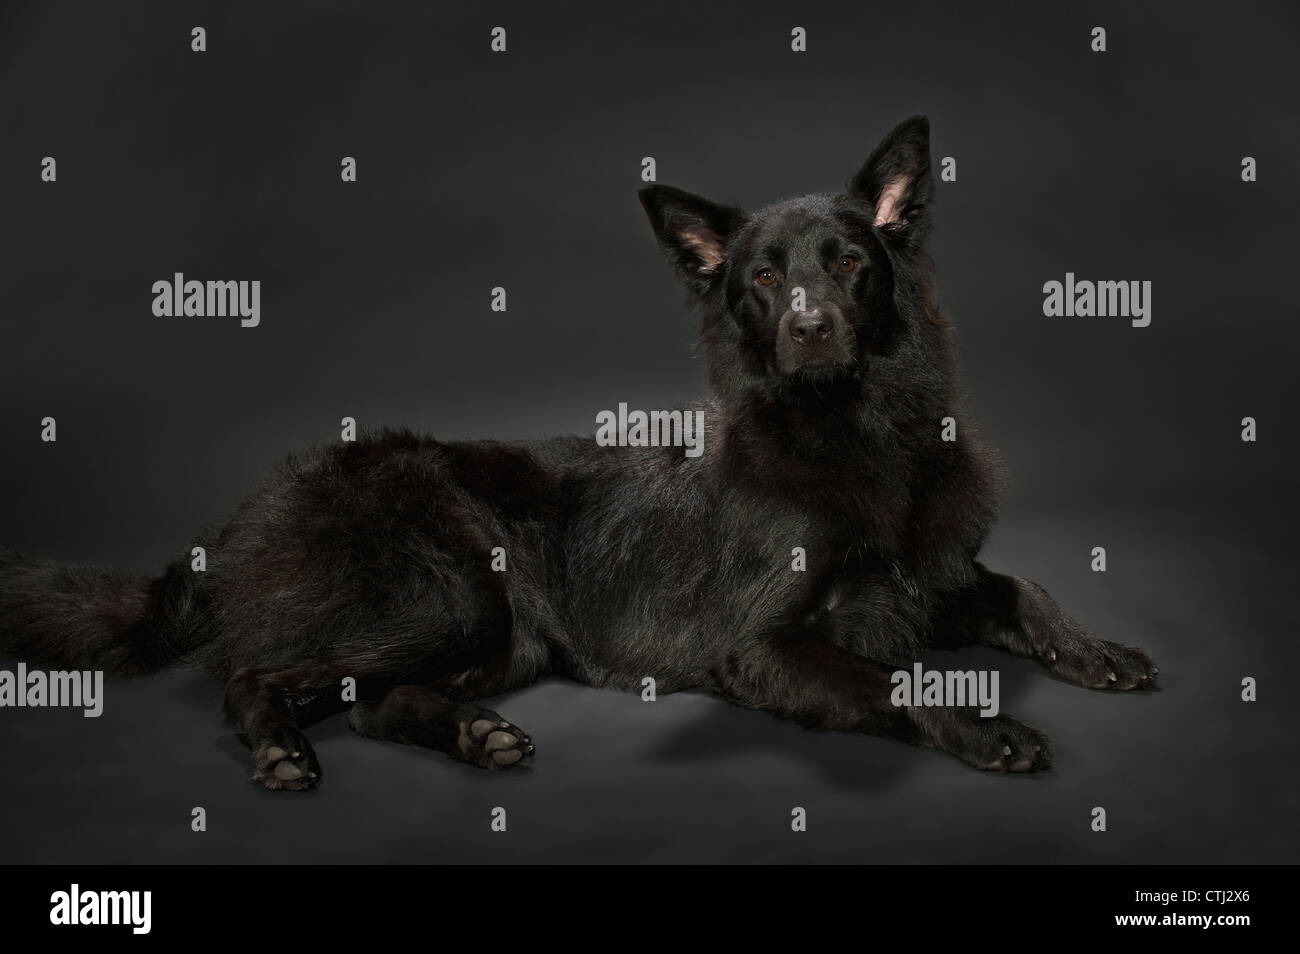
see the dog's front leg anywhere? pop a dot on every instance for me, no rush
(1017, 615)
(801, 675)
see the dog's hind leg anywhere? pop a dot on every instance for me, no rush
(417, 715)
(1017, 616)
(269, 709)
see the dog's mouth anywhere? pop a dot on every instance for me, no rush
(818, 369)
(824, 380)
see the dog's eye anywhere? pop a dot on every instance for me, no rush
(765, 277)
(847, 263)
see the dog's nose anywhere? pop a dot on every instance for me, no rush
(810, 327)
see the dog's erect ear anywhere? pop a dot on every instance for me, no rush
(693, 232)
(896, 179)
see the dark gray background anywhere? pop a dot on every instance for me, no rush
(520, 170)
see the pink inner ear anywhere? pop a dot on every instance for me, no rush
(888, 204)
(707, 245)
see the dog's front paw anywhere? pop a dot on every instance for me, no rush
(1073, 653)
(1098, 664)
(997, 744)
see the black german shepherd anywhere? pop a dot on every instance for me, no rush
(375, 563)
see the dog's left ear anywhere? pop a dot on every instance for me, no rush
(896, 180)
(693, 232)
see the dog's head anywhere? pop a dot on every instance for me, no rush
(801, 295)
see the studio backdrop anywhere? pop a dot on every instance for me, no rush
(429, 215)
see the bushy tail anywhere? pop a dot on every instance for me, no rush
(81, 617)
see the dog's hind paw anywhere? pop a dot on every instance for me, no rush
(287, 763)
(491, 742)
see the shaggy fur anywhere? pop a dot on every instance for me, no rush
(373, 559)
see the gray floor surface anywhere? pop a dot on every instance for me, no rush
(1186, 774)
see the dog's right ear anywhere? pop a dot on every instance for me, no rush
(693, 232)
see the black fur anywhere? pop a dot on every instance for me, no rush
(372, 559)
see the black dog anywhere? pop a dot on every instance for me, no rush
(832, 374)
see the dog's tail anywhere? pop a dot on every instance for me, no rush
(81, 617)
